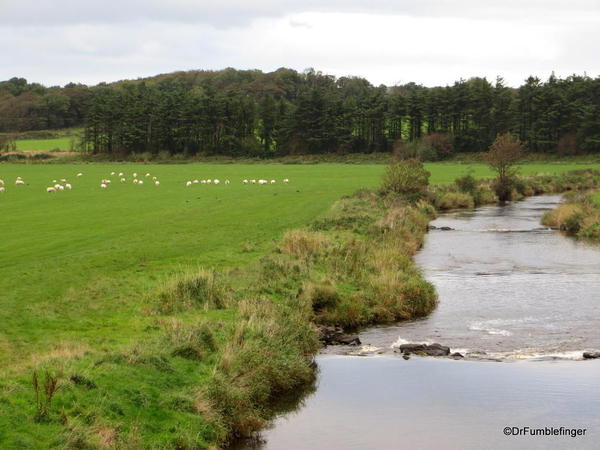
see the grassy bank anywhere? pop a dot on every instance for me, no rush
(579, 216)
(149, 350)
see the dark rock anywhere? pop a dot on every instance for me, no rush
(445, 228)
(591, 355)
(456, 355)
(424, 349)
(334, 335)
(406, 356)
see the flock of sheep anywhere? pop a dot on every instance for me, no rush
(62, 184)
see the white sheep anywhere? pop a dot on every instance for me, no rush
(195, 182)
(1, 182)
(154, 178)
(57, 186)
(135, 181)
(50, 189)
(103, 185)
(188, 184)
(19, 182)
(286, 181)
(61, 188)
(54, 181)
(123, 180)
(208, 181)
(140, 181)
(273, 182)
(112, 174)
(147, 175)
(63, 180)
(262, 181)
(203, 182)
(217, 181)
(245, 181)
(253, 181)
(134, 174)
(121, 174)
(2, 189)
(80, 174)
(227, 182)
(68, 186)
(157, 183)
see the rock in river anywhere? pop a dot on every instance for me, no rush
(591, 355)
(425, 349)
(334, 335)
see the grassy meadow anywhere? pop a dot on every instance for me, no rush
(78, 267)
(61, 143)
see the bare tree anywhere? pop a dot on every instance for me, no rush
(503, 156)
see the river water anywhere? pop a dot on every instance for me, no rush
(508, 290)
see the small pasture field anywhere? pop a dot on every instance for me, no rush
(62, 143)
(75, 264)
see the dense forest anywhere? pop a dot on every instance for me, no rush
(251, 113)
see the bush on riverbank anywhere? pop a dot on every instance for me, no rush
(579, 216)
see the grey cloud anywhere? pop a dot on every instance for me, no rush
(227, 13)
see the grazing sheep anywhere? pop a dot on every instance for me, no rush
(245, 181)
(57, 186)
(50, 189)
(19, 182)
(227, 181)
(253, 181)
(121, 174)
(195, 182)
(1, 182)
(68, 186)
(54, 181)
(61, 188)
(286, 181)
(154, 178)
(134, 174)
(103, 185)
(147, 175)
(112, 174)
(2, 189)
(273, 181)
(135, 181)
(123, 180)
(79, 174)
(157, 183)
(262, 181)
(188, 184)
(216, 181)
(203, 182)
(140, 181)
(63, 180)
(208, 181)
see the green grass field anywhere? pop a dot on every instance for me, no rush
(77, 267)
(62, 143)
(75, 264)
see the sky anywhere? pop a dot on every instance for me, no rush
(430, 42)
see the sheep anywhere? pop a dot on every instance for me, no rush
(154, 178)
(103, 185)
(2, 189)
(195, 182)
(188, 184)
(286, 181)
(135, 181)
(54, 181)
(245, 181)
(140, 181)
(68, 186)
(61, 188)
(121, 174)
(227, 181)
(262, 181)
(208, 181)
(123, 180)
(50, 189)
(134, 174)
(57, 186)
(147, 175)
(216, 181)
(19, 182)
(253, 181)
(63, 180)
(203, 182)
(273, 182)
(112, 174)
(1, 182)
(80, 174)
(157, 183)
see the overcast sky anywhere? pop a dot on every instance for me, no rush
(432, 42)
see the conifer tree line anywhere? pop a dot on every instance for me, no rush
(251, 113)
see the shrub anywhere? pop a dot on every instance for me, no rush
(407, 178)
(202, 288)
(467, 183)
(321, 296)
(453, 200)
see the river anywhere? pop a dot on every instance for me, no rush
(519, 300)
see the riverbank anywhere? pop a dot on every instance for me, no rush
(579, 216)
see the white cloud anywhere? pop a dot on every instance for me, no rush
(432, 42)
